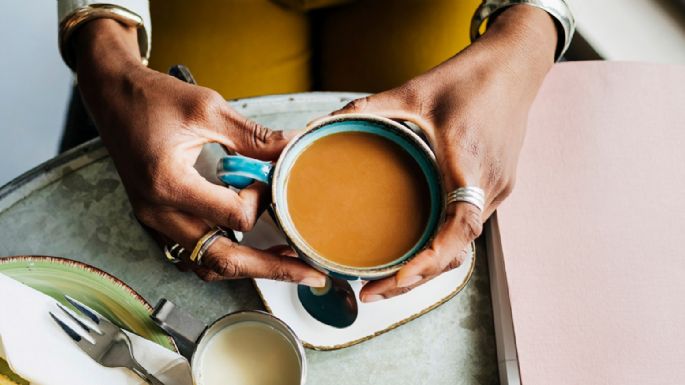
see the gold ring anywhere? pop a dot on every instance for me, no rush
(203, 244)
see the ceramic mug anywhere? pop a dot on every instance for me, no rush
(239, 171)
(192, 336)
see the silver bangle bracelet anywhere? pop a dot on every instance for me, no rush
(558, 9)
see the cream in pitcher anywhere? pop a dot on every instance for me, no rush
(249, 353)
(248, 347)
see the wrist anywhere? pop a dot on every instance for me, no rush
(517, 51)
(107, 64)
(524, 34)
(106, 50)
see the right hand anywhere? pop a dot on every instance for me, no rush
(154, 127)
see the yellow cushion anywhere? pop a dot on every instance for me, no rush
(255, 47)
(373, 45)
(311, 4)
(240, 48)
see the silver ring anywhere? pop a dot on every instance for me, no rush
(205, 246)
(173, 253)
(469, 194)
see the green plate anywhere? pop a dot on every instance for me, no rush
(101, 291)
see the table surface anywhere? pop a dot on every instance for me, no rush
(74, 206)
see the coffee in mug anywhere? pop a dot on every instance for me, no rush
(356, 195)
(358, 199)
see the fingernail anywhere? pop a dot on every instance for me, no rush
(372, 298)
(409, 281)
(314, 281)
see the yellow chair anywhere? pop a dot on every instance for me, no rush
(254, 47)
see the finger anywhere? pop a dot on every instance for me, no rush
(183, 266)
(175, 226)
(385, 288)
(165, 242)
(448, 249)
(370, 104)
(232, 260)
(208, 275)
(283, 250)
(252, 139)
(397, 104)
(219, 204)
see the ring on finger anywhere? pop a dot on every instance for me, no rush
(469, 194)
(174, 253)
(204, 243)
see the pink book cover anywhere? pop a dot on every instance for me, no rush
(589, 247)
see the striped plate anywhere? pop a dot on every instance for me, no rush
(101, 291)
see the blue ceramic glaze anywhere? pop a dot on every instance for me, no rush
(240, 171)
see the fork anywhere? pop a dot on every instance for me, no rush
(110, 346)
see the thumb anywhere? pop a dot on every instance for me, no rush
(390, 104)
(369, 104)
(250, 138)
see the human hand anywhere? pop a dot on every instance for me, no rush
(473, 109)
(154, 127)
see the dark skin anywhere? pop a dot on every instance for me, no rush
(473, 108)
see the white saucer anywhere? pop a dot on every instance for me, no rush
(375, 318)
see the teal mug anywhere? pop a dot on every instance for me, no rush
(240, 171)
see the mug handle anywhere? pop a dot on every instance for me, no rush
(240, 171)
(183, 327)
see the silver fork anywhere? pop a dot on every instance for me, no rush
(111, 346)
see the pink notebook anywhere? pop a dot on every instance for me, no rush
(590, 246)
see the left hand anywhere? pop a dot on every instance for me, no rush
(473, 108)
